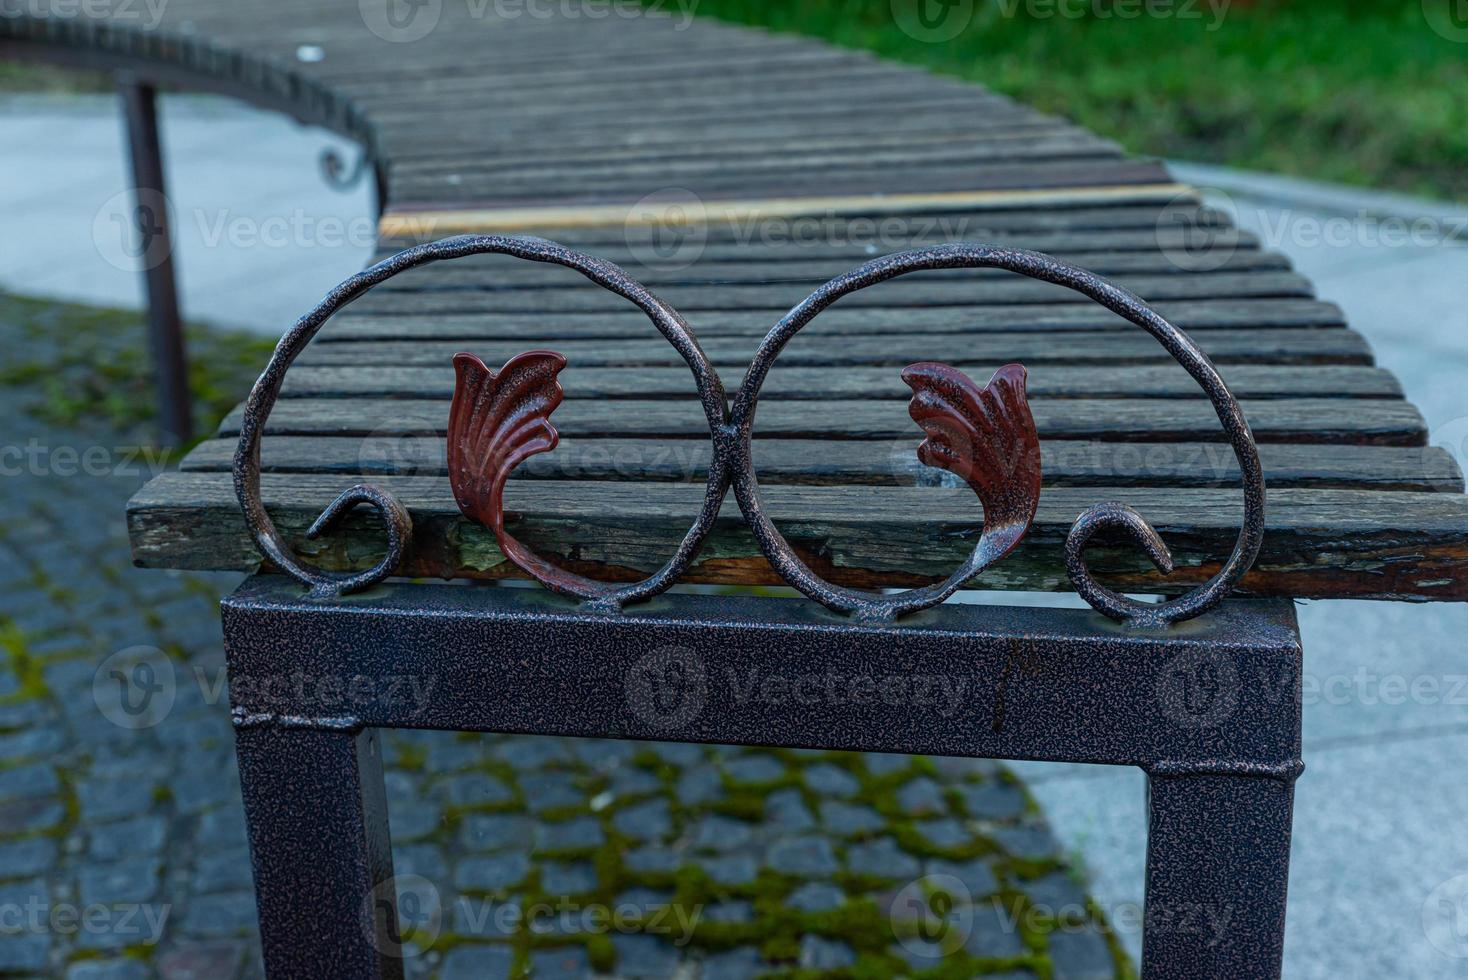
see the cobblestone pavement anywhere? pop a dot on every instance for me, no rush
(122, 845)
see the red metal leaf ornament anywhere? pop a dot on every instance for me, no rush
(985, 436)
(498, 420)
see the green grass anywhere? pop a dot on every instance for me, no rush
(21, 76)
(1354, 91)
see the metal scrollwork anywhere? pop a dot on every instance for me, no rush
(986, 436)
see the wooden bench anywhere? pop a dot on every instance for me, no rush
(734, 172)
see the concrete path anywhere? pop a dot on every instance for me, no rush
(260, 237)
(1379, 873)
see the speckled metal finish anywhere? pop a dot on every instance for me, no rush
(1002, 466)
(1211, 710)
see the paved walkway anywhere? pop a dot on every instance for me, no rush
(122, 848)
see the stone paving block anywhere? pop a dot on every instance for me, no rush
(138, 837)
(425, 860)
(975, 875)
(25, 858)
(805, 857)
(631, 781)
(645, 821)
(30, 816)
(486, 919)
(30, 743)
(883, 858)
(922, 797)
(575, 834)
(567, 878)
(29, 781)
(831, 781)
(209, 783)
(820, 953)
(474, 789)
(531, 753)
(755, 769)
(493, 873)
(223, 871)
(786, 812)
(645, 958)
(992, 933)
(25, 954)
(731, 869)
(701, 785)
(1057, 895)
(816, 896)
(715, 832)
(122, 882)
(1080, 954)
(850, 819)
(493, 831)
(994, 799)
(119, 969)
(551, 791)
(218, 916)
(563, 961)
(651, 860)
(477, 963)
(111, 798)
(945, 832)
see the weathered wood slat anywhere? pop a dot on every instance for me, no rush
(1200, 315)
(782, 296)
(1302, 346)
(1385, 422)
(877, 462)
(820, 240)
(496, 272)
(1381, 544)
(1253, 381)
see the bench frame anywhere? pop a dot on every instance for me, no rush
(1210, 710)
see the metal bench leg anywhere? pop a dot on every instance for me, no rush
(150, 212)
(316, 807)
(1218, 861)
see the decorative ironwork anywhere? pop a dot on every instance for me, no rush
(597, 595)
(985, 436)
(337, 174)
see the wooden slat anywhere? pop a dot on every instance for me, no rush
(1382, 544)
(1252, 381)
(404, 219)
(883, 462)
(630, 324)
(1384, 422)
(1304, 346)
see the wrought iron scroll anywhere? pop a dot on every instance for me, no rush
(1107, 516)
(324, 584)
(984, 435)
